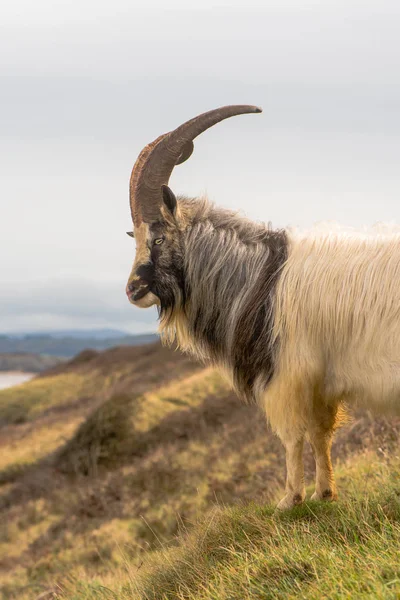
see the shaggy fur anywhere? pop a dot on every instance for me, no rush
(226, 294)
(301, 322)
(337, 316)
(339, 299)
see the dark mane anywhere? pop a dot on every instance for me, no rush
(230, 269)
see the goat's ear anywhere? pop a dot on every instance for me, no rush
(169, 199)
(130, 233)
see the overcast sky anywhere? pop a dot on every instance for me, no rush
(85, 85)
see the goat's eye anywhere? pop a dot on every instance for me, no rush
(158, 241)
(130, 233)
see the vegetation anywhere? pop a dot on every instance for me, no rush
(137, 474)
(344, 550)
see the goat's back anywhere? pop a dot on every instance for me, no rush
(337, 313)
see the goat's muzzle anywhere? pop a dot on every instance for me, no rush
(135, 290)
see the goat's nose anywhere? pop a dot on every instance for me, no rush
(131, 287)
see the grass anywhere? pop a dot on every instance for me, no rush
(344, 550)
(90, 378)
(93, 493)
(38, 417)
(24, 402)
(126, 425)
(157, 484)
(38, 442)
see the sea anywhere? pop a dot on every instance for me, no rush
(11, 378)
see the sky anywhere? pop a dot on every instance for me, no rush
(85, 85)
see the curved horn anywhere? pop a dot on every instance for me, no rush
(156, 161)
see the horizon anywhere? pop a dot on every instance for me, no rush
(74, 332)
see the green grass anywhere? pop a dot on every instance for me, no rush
(55, 521)
(348, 549)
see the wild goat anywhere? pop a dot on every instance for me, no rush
(301, 322)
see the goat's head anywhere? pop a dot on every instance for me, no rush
(158, 220)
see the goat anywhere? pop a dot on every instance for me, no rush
(301, 322)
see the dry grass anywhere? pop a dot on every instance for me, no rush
(93, 487)
(344, 550)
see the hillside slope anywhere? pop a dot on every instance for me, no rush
(348, 549)
(105, 459)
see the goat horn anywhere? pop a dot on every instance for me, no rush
(156, 161)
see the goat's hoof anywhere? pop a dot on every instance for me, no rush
(327, 495)
(291, 500)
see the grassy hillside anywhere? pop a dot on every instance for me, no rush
(344, 550)
(134, 473)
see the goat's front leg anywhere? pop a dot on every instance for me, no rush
(285, 403)
(320, 431)
(325, 488)
(295, 491)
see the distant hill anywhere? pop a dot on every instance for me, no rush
(103, 334)
(69, 344)
(29, 363)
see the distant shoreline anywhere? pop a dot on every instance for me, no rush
(56, 348)
(11, 378)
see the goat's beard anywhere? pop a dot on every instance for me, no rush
(171, 295)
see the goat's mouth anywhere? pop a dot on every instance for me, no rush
(141, 293)
(143, 297)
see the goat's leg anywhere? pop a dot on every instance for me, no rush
(295, 490)
(320, 431)
(284, 403)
